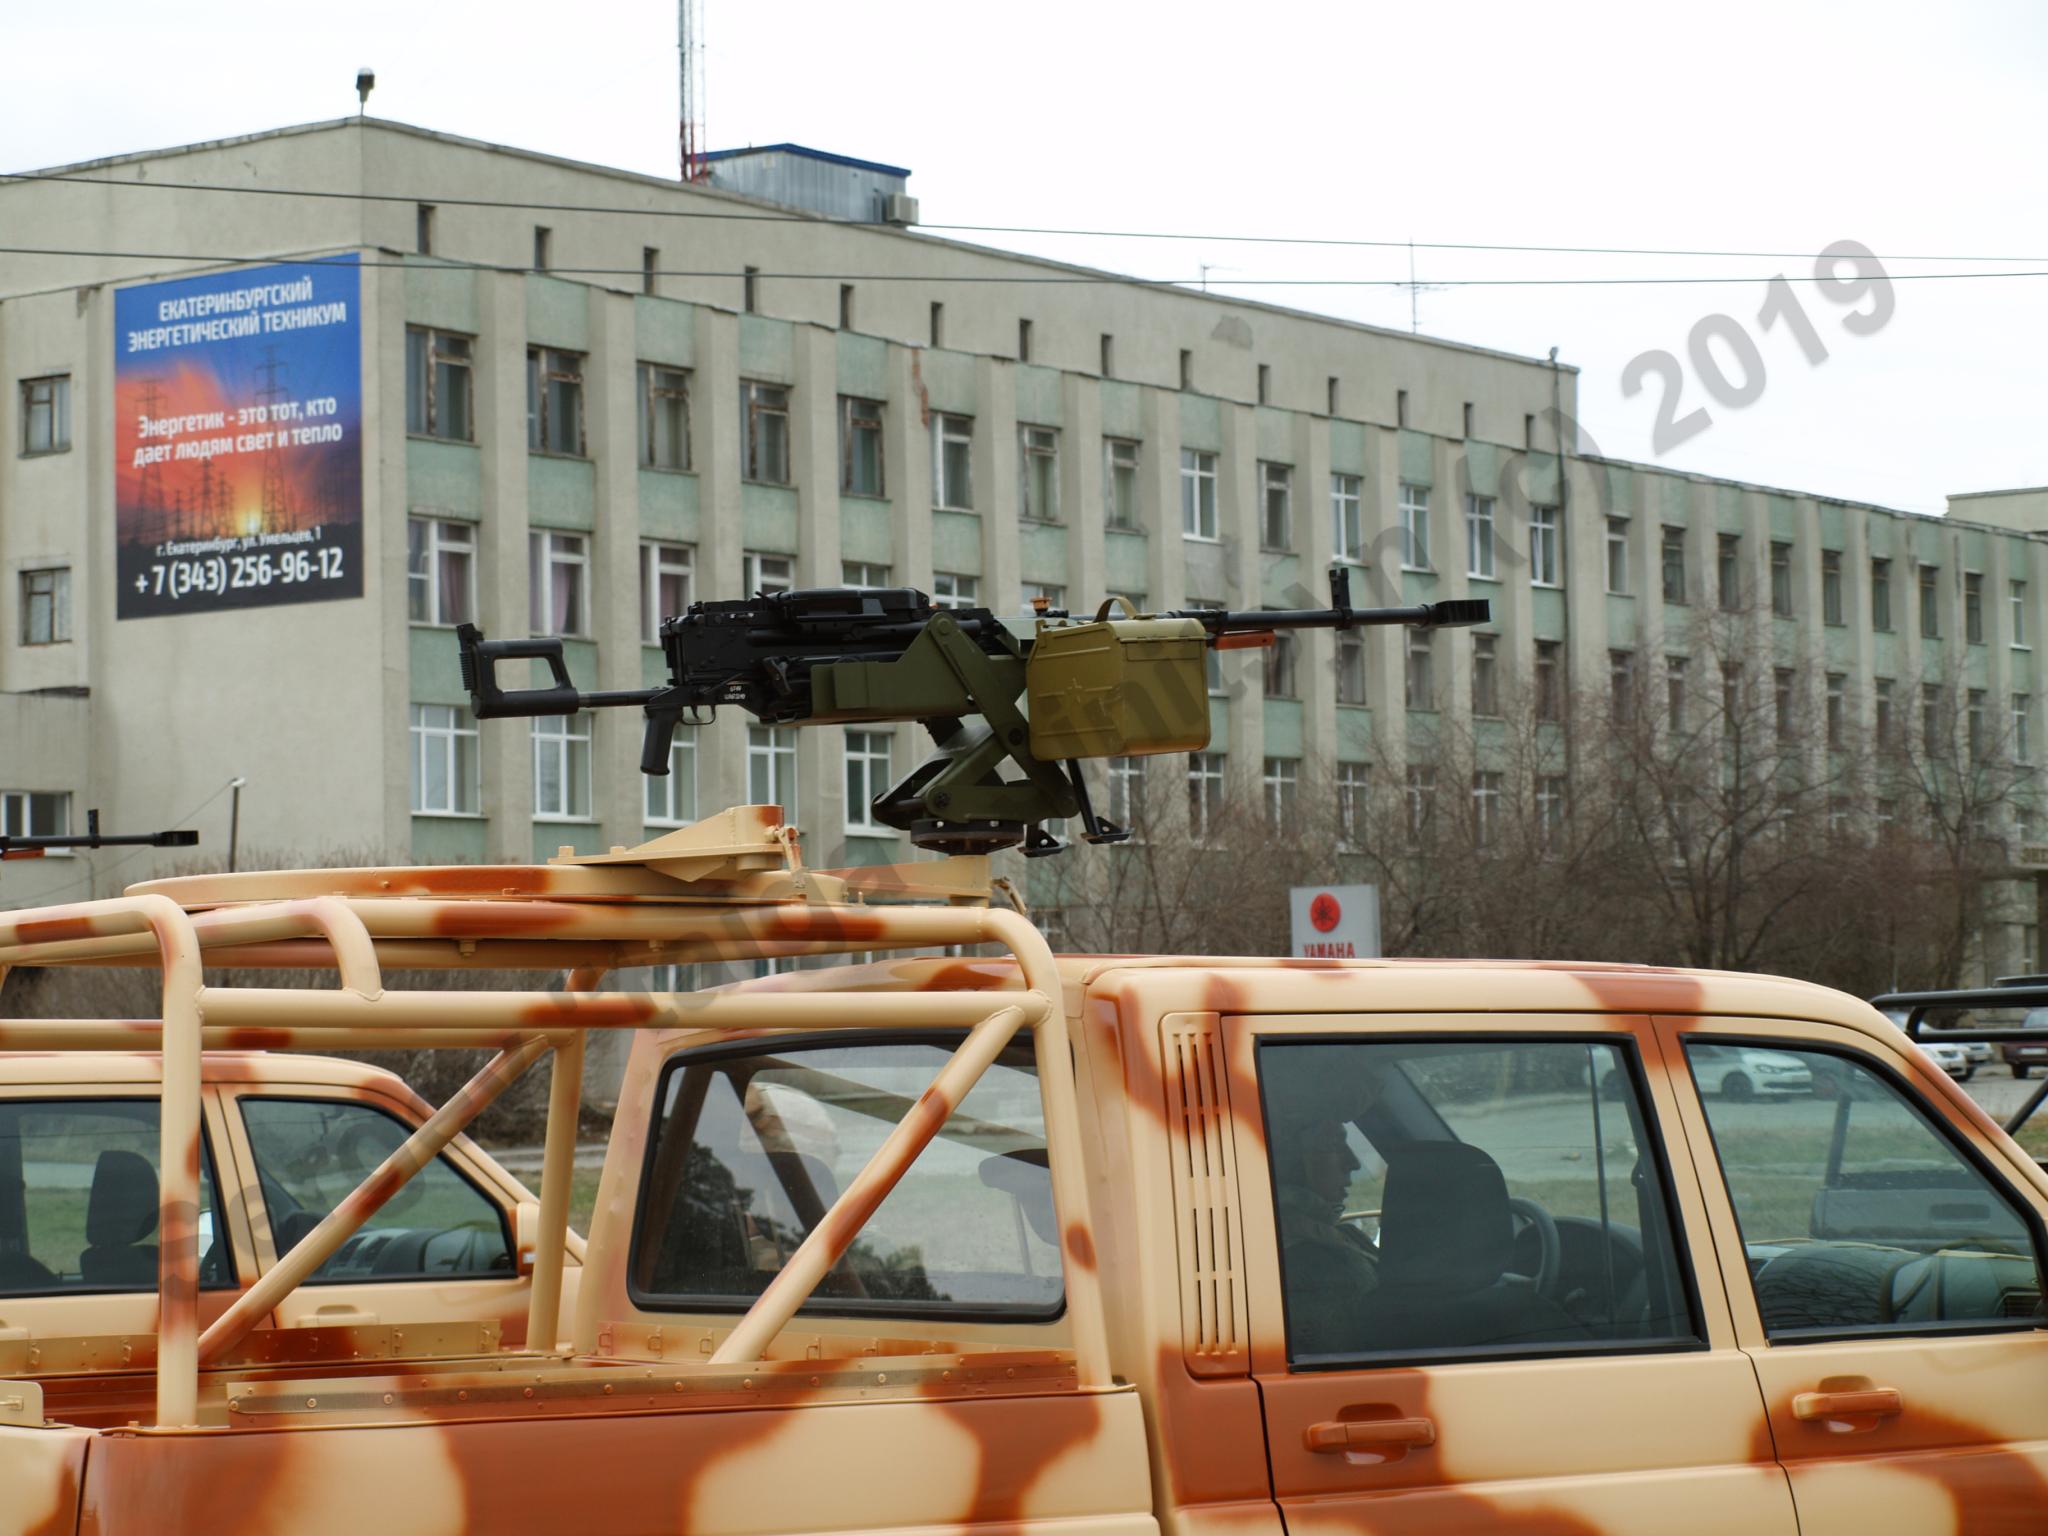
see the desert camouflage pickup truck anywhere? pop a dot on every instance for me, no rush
(1001, 1242)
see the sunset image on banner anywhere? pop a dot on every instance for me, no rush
(238, 456)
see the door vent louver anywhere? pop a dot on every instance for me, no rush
(1214, 1329)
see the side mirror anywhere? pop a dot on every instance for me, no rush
(525, 1235)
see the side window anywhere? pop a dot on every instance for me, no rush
(80, 1203)
(751, 1147)
(1857, 1214)
(1467, 1196)
(310, 1153)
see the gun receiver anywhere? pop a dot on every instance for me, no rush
(1100, 688)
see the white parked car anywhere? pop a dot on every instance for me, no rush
(1976, 1052)
(1955, 1060)
(1741, 1072)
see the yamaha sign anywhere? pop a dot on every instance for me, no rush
(1336, 922)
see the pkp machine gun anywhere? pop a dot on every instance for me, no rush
(990, 698)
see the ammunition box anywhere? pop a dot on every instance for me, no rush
(1118, 688)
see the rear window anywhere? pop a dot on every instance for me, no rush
(751, 1147)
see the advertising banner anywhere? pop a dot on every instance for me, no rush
(1335, 922)
(238, 470)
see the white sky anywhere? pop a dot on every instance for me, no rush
(1915, 129)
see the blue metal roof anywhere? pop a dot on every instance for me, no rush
(810, 154)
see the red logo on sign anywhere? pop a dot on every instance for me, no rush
(1324, 912)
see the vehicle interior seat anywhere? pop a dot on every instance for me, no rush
(120, 1212)
(1446, 1239)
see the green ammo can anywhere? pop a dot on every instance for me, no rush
(1124, 687)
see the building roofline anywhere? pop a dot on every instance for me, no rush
(808, 153)
(880, 231)
(1767, 490)
(2017, 490)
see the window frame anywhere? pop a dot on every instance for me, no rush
(542, 556)
(1671, 562)
(1546, 547)
(434, 547)
(1412, 513)
(759, 403)
(1200, 517)
(1038, 454)
(860, 813)
(1715, 1179)
(445, 740)
(434, 360)
(1347, 516)
(1652, 1137)
(950, 429)
(681, 745)
(657, 560)
(24, 800)
(658, 382)
(544, 369)
(564, 743)
(858, 415)
(55, 604)
(2016, 604)
(1480, 562)
(1616, 549)
(59, 411)
(835, 1306)
(1114, 514)
(1276, 496)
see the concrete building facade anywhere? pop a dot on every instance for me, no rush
(589, 396)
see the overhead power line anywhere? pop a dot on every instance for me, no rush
(1332, 242)
(1079, 278)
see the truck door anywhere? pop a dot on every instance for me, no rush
(1481, 1297)
(1884, 1266)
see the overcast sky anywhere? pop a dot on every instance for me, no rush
(1917, 130)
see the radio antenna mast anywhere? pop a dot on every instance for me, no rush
(690, 47)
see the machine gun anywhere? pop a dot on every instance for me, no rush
(1073, 689)
(12, 847)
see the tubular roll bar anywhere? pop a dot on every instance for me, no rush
(347, 933)
(2013, 992)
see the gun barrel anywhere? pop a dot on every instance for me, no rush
(1454, 611)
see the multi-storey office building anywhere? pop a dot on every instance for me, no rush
(573, 421)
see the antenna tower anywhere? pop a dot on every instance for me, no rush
(690, 46)
(1415, 292)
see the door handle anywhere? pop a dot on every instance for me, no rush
(1336, 1436)
(339, 1317)
(1868, 1403)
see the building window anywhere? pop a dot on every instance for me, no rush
(46, 605)
(46, 414)
(543, 246)
(1930, 718)
(1837, 710)
(1881, 713)
(750, 289)
(1468, 418)
(867, 779)
(671, 798)
(950, 589)
(1350, 667)
(664, 585)
(650, 267)
(938, 330)
(771, 766)
(1831, 586)
(1119, 482)
(554, 401)
(36, 813)
(1354, 783)
(439, 399)
(1421, 788)
(1485, 809)
(846, 306)
(1550, 809)
(1400, 407)
(445, 771)
(1728, 570)
(1198, 494)
(1330, 396)
(1421, 680)
(860, 447)
(1125, 801)
(1038, 474)
(1675, 668)
(1881, 596)
(440, 569)
(1108, 369)
(561, 768)
(1347, 518)
(862, 575)
(1276, 506)
(423, 228)
(1544, 535)
(2017, 602)
(764, 432)
(1674, 565)
(1486, 674)
(1205, 793)
(1930, 602)
(1414, 506)
(1617, 555)
(1265, 383)
(664, 417)
(1281, 783)
(1781, 579)
(1280, 657)
(1974, 724)
(1023, 341)
(1479, 536)
(1973, 608)
(1051, 593)
(1549, 680)
(2022, 728)
(559, 572)
(953, 463)
(1621, 673)
(764, 574)
(1187, 369)
(1781, 698)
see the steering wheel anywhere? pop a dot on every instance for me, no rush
(1550, 1249)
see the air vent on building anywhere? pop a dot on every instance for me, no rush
(899, 208)
(1214, 1328)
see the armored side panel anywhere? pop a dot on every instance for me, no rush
(1118, 688)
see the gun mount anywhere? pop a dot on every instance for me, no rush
(995, 703)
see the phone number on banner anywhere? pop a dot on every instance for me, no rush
(178, 578)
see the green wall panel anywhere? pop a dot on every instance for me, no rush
(1124, 564)
(1728, 508)
(665, 330)
(668, 505)
(1546, 613)
(863, 366)
(448, 839)
(557, 313)
(1201, 422)
(1042, 556)
(948, 381)
(1621, 622)
(1038, 396)
(956, 546)
(1482, 470)
(549, 837)
(768, 514)
(867, 531)
(1784, 518)
(443, 478)
(1282, 585)
(1121, 416)
(435, 667)
(1347, 447)
(1354, 734)
(440, 296)
(1834, 525)
(1283, 728)
(767, 349)
(561, 492)
(1275, 433)
(1418, 457)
